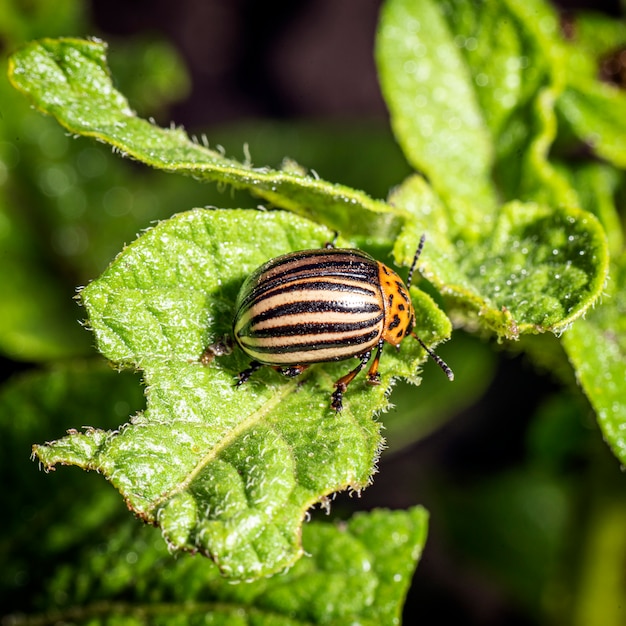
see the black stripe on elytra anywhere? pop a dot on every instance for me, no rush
(292, 330)
(359, 289)
(314, 306)
(309, 347)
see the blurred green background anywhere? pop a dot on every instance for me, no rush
(528, 515)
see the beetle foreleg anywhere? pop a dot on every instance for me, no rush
(373, 377)
(245, 375)
(342, 384)
(292, 370)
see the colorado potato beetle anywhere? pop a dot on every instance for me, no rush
(329, 304)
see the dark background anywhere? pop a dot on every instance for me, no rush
(263, 59)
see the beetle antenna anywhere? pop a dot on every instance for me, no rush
(329, 245)
(417, 256)
(437, 359)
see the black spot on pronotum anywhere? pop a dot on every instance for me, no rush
(401, 291)
(395, 322)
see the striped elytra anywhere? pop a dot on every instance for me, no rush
(323, 305)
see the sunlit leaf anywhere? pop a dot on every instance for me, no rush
(434, 110)
(538, 270)
(69, 78)
(354, 572)
(596, 347)
(227, 471)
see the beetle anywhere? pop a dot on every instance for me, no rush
(322, 305)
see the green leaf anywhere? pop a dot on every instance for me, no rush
(527, 267)
(227, 471)
(87, 558)
(597, 185)
(596, 347)
(69, 78)
(595, 110)
(434, 111)
(509, 49)
(45, 518)
(597, 113)
(597, 34)
(538, 270)
(354, 572)
(503, 65)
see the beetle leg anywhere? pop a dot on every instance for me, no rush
(245, 375)
(292, 370)
(373, 377)
(342, 384)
